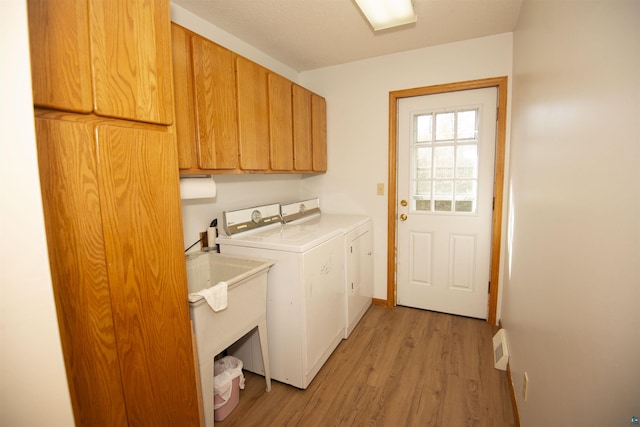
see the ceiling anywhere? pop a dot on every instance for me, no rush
(310, 34)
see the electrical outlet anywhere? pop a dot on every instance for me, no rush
(380, 189)
(525, 386)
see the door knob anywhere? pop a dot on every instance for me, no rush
(403, 217)
(403, 202)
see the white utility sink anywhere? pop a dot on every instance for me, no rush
(247, 305)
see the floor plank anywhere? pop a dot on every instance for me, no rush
(400, 366)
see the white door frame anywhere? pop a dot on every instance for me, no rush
(392, 215)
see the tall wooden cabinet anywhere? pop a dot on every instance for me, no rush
(110, 191)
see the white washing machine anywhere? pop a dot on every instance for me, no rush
(305, 290)
(307, 296)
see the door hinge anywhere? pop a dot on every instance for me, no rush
(489, 287)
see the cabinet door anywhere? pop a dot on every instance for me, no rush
(319, 132)
(131, 55)
(185, 121)
(253, 115)
(140, 204)
(70, 199)
(60, 56)
(216, 105)
(302, 144)
(107, 56)
(280, 123)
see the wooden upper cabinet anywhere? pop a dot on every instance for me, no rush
(130, 44)
(280, 123)
(185, 114)
(216, 104)
(302, 144)
(233, 115)
(110, 57)
(319, 132)
(60, 54)
(253, 115)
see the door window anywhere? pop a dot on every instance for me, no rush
(444, 159)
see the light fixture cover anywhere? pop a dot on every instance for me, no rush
(383, 14)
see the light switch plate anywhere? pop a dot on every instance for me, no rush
(380, 189)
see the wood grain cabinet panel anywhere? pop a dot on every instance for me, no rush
(280, 123)
(319, 132)
(140, 203)
(216, 105)
(103, 56)
(70, 195)
(253, 115)
(302, 143)
(109, 188)
(60, 56)
(132, 67)
(185, 114)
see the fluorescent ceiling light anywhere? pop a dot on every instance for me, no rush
(384, 14)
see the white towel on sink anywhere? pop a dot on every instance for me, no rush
(216, 296)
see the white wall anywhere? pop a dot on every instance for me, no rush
(571, 300)
(357, 96)
(33, 385)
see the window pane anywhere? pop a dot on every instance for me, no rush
(443, 162)
(467, 124)
(464, 206)
(443, 206)
(445, 126)
(467, 161)
(423, 205)
(466, 189)
(423, 163)
(424, 128)
(444, 189)
(423, 189)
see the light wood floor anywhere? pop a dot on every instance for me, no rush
(399, 367)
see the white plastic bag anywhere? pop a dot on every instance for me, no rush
(224, 372)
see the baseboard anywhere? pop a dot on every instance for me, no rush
(514, 403)
(382, 302)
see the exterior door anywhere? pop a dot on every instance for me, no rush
(446, 155)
